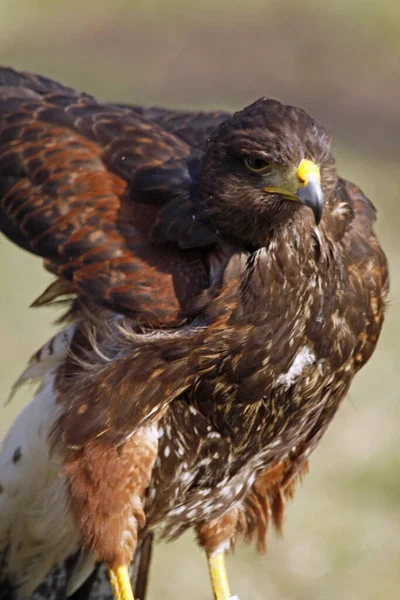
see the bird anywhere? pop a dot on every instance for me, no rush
(221, 284)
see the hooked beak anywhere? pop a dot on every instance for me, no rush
(302, 185)
(310, 194)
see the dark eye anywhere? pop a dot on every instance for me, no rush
(257, 165)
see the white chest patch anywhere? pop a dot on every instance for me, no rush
(304, 357)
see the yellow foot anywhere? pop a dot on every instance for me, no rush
(121, 583)
(219, 577)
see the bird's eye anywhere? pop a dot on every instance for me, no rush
(257, 165)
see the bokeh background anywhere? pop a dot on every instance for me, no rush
(341, 62)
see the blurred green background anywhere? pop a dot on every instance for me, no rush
(341, 62)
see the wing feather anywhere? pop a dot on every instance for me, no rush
(85, 186)
(367, 270)
(193, 127)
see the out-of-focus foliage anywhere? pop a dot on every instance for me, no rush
(341, 62)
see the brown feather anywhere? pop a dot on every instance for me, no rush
(205, 307)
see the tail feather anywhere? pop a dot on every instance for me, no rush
(141, 567)
(49, 356)
(97, 586)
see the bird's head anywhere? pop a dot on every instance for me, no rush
(264, 165)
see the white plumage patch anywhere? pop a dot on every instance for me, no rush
(303, 358)
(36, 529)
(49, 357)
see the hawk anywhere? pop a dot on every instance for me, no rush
(223, 286)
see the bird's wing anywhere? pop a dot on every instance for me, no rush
(103, 195)
(368, 271)
(193, 127)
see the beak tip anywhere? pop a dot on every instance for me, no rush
(318, 215)
(311, 195)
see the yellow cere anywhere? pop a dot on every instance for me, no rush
(305, 169)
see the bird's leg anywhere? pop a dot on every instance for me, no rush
(107, 486)
(121, 583)
(216, 536)
(219, 577)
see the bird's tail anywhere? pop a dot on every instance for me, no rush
(141, 567)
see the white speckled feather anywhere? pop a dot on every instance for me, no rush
(36, 529)
(303, 358)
